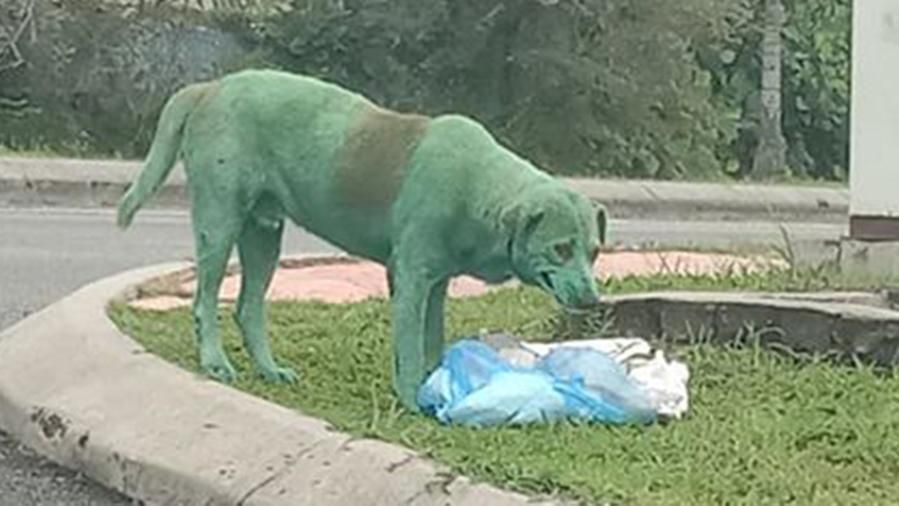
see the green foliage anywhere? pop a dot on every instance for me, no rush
(762, 429)
(634, 89)
(815, 84)
(648, 89)
(818, 77)
(590, 87)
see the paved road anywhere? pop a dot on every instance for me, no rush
(47, 253)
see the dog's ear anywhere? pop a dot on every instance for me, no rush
(602, 217)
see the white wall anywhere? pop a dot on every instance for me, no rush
(874, 177)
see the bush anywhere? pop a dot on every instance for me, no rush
(651, 89)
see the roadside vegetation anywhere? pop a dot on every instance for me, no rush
(623, 88)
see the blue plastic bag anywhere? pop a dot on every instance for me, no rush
(598, 388)
(474, 386)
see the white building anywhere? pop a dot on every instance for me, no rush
(874, 158)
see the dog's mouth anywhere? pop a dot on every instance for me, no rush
(547, 281)
(578, 310)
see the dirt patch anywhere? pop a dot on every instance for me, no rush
(340, 279)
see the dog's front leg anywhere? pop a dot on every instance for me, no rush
(434, 320)
(417, 293)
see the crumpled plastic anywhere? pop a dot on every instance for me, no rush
(476, 386)
(663, 381)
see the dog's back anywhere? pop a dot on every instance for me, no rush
(330, 159)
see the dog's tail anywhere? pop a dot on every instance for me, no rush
(163, 152)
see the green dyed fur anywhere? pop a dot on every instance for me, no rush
(429, 198)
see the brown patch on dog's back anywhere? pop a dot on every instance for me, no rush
(376, 150)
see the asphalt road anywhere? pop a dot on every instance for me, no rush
(47, 253)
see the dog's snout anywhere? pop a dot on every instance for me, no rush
(590, 301)
(589, 297)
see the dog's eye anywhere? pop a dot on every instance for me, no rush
(564, 250)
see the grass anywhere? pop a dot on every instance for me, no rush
(762, 429)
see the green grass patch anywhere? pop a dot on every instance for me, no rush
(762, 429)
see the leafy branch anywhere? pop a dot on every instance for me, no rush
(9, 40)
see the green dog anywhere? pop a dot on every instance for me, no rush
(429, 198)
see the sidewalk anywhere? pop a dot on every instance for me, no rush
(30, 182)
(342, 279)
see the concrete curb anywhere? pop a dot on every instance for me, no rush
(846, 326)
(717, 201)
(92, 183)
(90, 398)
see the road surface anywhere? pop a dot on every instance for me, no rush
(47, 253)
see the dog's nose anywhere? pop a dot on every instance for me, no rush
(589, 300)
(592, 296)
(588, 306)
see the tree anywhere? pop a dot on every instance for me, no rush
(583, 87)
(815, 85)
(817, 81)
(771, 152)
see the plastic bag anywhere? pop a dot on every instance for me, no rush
(612, 394)
(474, 386)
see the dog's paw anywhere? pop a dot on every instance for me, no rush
(220, 370)
(408, 399)
(126, 210)
(279, 375)
(410, 405)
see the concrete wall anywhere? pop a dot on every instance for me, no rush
(874, 179)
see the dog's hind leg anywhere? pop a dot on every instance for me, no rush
(216, 220)
(259, 247)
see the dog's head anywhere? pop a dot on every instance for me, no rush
(556, 236)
